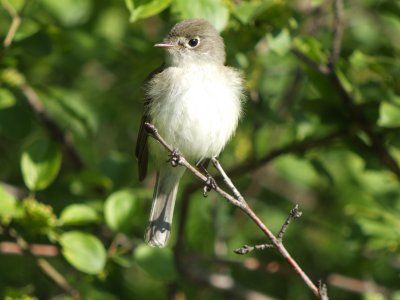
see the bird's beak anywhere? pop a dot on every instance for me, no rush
(164, 45)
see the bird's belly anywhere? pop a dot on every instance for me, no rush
(199, 117)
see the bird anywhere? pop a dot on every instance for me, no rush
(195, 102)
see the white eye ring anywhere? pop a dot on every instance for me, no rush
(193, 42)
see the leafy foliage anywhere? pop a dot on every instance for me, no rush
(320, 129)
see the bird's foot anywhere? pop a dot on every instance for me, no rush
(211, 184)
(175, 158)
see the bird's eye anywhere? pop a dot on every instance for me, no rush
(194, 42)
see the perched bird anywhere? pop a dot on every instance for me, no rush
(194, 101)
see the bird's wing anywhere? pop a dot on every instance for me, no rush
(142, 149)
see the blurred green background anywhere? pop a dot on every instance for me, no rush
(72, 212)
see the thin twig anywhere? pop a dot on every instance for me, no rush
(227, 180)
(247, 249)
(151, 129)
(240, 203)
(57, 277)
(359, 286)
(43, 264)
(16, 21)
(34, 249)
(297, 147)
(294, 214)
(337, 32)
(52, 127)
(320, 68)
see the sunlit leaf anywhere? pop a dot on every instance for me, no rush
(141, 9)
(77, 214)
(84, 251)
(8, 206)
(70, 12)
(40, 164)
(7, 99)
(119, 210)
(215, 11)
(389, 115)
(247, 11)
(312, 47)
(280, 44)
(71, 111)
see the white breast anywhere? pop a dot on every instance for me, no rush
(196, 109)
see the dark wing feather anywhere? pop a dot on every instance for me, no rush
(142, 149)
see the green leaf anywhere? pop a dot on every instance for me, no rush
(71, 111)
(12, 77)
(248, 11)
(279, 44)
(8, 206)
(69, 12)
(141, 9)
(40, 164)
(215, 11)
(119, 210)
(7, 99)
(157, 262)
(84, 251)
(77, 214)
(312, 47)
(389, 115)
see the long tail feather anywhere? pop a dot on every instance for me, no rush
(162, 209)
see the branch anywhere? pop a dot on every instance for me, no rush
(377, 142)
(52, 127)
(246, 167)
(43, 264)
(294, 214)
(238, 201)
(337, 32)
(15, 23)
(175, 159)
(319, 68)
(358, 286)
(247, 249)
(34, 249)
(297, 147)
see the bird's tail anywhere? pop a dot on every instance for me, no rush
(162, 208)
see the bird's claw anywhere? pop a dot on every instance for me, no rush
(211, 184)
(175, 158)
